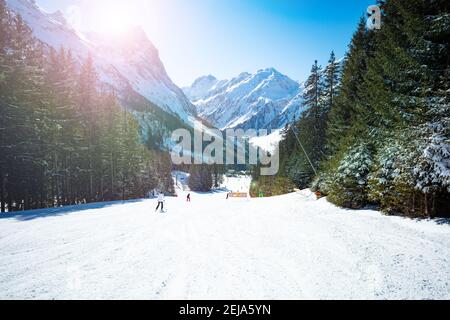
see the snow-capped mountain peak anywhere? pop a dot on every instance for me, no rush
(200, 87)
(257, 100)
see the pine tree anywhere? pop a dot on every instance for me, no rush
(304, 142)
(331, 82)
(332, 77)
(342, 115)
(88, 100)
(313, 90)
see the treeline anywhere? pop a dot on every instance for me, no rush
(203, 177)
(377, 130)
(64, 139)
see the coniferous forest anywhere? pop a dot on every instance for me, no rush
(377, 126)
(64, 139)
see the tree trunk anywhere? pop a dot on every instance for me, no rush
(56, 179)
(91, 178)
(112, 176)
(26, 201)
(64, 181)
(102, 188)
(9, 201)
(433, 206)
(2, 191)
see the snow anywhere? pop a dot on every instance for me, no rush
(288, 247)
(270, 142)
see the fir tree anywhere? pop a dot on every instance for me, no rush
(331, 82)
(342, 115)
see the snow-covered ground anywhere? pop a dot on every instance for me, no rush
(288, 247)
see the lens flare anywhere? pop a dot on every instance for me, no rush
(115, 19)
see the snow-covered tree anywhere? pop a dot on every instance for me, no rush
(433, 168)
(349, 182)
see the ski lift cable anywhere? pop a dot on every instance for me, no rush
(294, 130)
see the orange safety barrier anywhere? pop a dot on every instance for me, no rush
(237, 195)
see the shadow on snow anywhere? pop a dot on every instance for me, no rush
(55, 212)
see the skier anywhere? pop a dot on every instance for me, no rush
(160, 202)
(188, 199)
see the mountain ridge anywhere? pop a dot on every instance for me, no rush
(133, 62)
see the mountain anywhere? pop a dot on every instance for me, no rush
(128, 63)
(266, 99)
(201, 87)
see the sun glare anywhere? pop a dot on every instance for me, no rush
(115, 20)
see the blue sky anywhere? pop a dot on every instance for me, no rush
(227, 37)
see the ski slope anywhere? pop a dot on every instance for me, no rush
(288, 247)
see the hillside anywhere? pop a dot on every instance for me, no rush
(130, 64)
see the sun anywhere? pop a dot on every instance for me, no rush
(115, 20)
